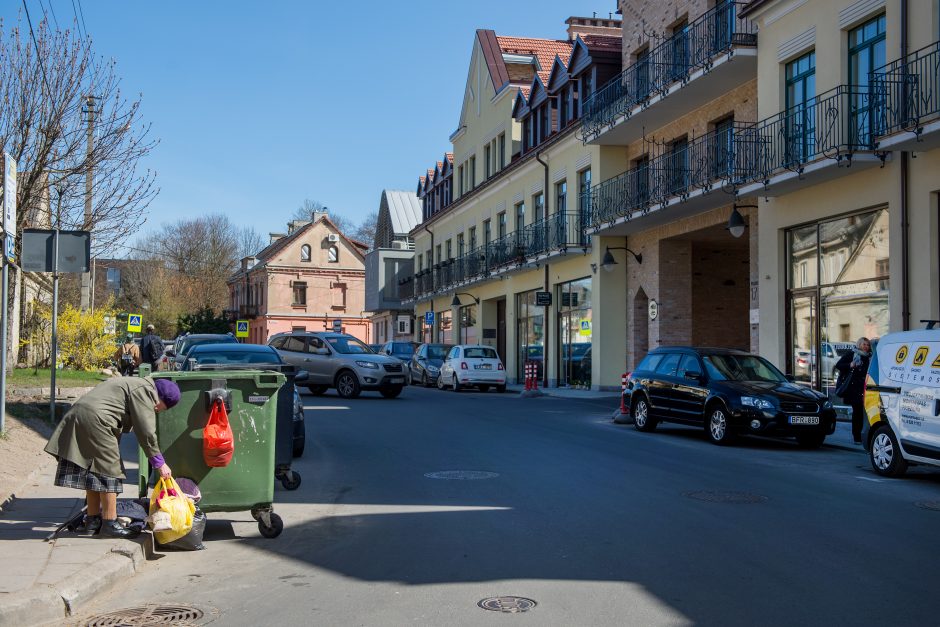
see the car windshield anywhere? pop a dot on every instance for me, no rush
(231, 357)
(438, 351)
(348, 346)
(479, 352)
(403, 349)
(741, 368)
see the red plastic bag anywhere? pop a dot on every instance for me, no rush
(218, 441)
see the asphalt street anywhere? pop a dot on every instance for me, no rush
(597, 523)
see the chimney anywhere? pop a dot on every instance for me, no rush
(316, 215)
(273, 237)
(582, 26)
(248, 262)
(293, 225)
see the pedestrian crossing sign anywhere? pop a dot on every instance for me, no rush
(585, 327)
(134, 322)
(241, 328)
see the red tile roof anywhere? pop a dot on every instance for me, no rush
(544, 50)
(604, 42)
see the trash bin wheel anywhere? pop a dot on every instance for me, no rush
(277, 526)
(291, 480)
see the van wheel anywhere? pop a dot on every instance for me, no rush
(885, 453)
(347, 384)
(642, 420)
(716, 425)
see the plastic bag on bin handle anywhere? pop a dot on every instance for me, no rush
(218, 441)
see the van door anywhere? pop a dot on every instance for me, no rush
(919, 403)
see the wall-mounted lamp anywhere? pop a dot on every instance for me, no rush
(736, 223)
(456, 301)
(608, 262)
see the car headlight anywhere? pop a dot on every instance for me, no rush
(759, 403)
(367, 364)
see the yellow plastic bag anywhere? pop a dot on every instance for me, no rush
(169, 498)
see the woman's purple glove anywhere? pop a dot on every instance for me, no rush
(157, 461)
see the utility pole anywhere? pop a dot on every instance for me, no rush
(87, 287)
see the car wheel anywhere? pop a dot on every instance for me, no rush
(392, 391)
(811, 440)
(717, 427)
(317, 390)
(885, 453)
(440, 382)
(500, 389)
(347, 385)
(484, 388)
(641, 415)
(456, 383)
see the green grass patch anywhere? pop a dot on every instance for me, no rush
(39, 377)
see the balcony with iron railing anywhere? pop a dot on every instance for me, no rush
(694, 176)
(906, 95)
(548, 237)
(715, 54)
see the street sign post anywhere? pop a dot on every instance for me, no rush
(134, 322)
(429, 318)
(9, 254)
(241, 328)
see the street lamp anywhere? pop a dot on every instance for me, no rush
(736, 223)
(608, 263)
(456, 301)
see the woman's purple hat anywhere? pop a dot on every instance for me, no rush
(168, 392)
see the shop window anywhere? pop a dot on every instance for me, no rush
(530, 334)
(575, 332)
(468, 322)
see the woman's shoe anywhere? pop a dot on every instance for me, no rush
(89, 526)
(114, 529)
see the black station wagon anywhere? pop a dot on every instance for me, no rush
(728, 393)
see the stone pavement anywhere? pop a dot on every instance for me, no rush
(47, 581)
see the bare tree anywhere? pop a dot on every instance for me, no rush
(306, 209)
(250, 242)
(365, 232)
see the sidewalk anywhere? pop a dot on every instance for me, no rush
(51, 580)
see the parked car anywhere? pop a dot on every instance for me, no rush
(185, 342)
(229, 356)
(376, 348)
(902, 401)
(403, 351)
(729, 393)
(472, 364)
(425, 364)
(341, 362)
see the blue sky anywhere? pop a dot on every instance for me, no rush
(259, 105)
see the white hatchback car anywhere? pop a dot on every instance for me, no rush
(472, 364)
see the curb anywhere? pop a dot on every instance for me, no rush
(46, 604)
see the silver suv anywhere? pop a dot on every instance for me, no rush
(340, 361)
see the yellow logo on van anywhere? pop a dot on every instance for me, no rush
(936, 362)
(901, 355)
(920, 357)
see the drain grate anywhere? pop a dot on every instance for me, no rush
(464, 475)
(507, 605)
(931, 505)
(725, 496)
(147, 615)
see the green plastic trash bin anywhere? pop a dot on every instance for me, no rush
(247, 483)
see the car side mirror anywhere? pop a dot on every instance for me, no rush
(693, 376)
(301, 376)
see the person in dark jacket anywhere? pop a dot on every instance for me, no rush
(151, 348)
(85, 443)
(853, 368)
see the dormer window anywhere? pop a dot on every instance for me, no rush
(305, 253)
(332, 254)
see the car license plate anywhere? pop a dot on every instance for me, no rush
(396, 380)
(804, 420)
(483, 367)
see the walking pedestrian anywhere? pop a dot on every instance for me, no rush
(151, 348)
(127, 356)
(85, 443)
(853, 368)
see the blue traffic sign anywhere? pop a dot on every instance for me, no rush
(429, 318)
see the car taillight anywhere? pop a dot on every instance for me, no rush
(499, 366)
(463, 365)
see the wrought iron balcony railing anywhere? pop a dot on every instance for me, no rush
(559, 232)
(906, 92)
(706, 162)
(835, 124)
(715, 32)
(248, 311)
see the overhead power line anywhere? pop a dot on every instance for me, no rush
(42, 66)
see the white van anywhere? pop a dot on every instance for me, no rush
(902, 401)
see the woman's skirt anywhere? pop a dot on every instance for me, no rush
(71, 475)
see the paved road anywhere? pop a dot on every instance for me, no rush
(594, 521)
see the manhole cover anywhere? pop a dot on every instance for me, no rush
(148, 615)
(931, 505)
(461, 474)
(508, 605)
(725, 496)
